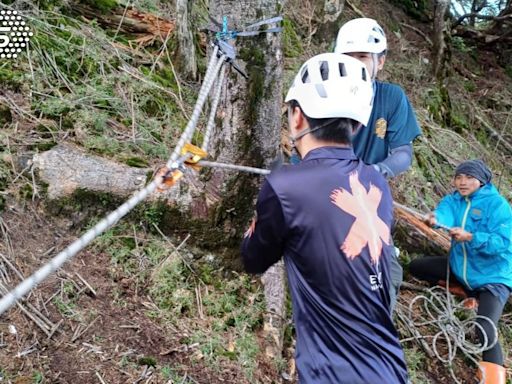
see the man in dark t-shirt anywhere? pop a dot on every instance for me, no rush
(329, 217)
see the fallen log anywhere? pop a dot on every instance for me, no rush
(129, 20)
(66, 168)
(419, 235)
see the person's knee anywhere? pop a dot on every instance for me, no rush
(415, 268)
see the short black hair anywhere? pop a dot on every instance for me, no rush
(336, 130)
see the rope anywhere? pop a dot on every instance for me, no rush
(234, 167)
(215, 104)
(226, 34)
(174, 162)
(203, 94)
(441, 312)
(419, 215)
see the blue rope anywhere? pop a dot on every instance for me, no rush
(227, 34)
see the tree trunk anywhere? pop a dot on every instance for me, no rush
(438, 39)
(332, 10)
(186, 48)
(249, 133)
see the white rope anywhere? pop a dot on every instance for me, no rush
(441, 312)
(213, 112)
(233, 167)
(203, 94)
(173, 163)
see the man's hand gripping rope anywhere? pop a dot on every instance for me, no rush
(190, 156)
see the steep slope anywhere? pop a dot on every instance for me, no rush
(148, 307)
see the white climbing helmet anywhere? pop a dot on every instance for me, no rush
(330, 85)
(361, 35)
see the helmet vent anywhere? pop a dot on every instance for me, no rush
(324, 70)
(378, 30)
(305, 75)
(363, 73)
(343, 70)
(321, 91)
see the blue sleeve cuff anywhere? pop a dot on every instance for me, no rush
(478, 240)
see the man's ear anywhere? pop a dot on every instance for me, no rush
(297, 119)
(380, 62)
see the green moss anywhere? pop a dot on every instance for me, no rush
(459, 122)
(102, 5)
(222, 231)
(469, 86)
(292, 45)
(460, 44)
(11, 77)
(5, 115)
(136, 162)
(150, 361)
(49, 4)
(103, 145)
(83, 206)
(254, 56)
(418, 9)
(439, 105)
(201, 230)
(45, 145)
(26, 191)
(508, 71)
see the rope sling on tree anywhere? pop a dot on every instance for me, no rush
(183, 153)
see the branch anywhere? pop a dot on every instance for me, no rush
(484, 37)
(478, 16)
(355, 9)
(419, 32)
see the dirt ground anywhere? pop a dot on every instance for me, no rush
(111, 334)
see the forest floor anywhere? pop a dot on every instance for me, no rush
(141, 306)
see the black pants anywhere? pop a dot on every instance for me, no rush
(433, 268)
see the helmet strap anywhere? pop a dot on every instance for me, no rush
(294, 139)
(375, 59)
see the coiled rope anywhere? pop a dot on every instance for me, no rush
(456, 325)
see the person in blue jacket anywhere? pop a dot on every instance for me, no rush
(386, 140)
(329, 217)
(480, 258)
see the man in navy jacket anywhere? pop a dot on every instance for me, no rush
(329, 217)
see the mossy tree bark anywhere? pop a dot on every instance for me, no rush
(439, 39)
(186, 48)
(249, 131)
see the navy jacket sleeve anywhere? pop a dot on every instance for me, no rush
(263, 243)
